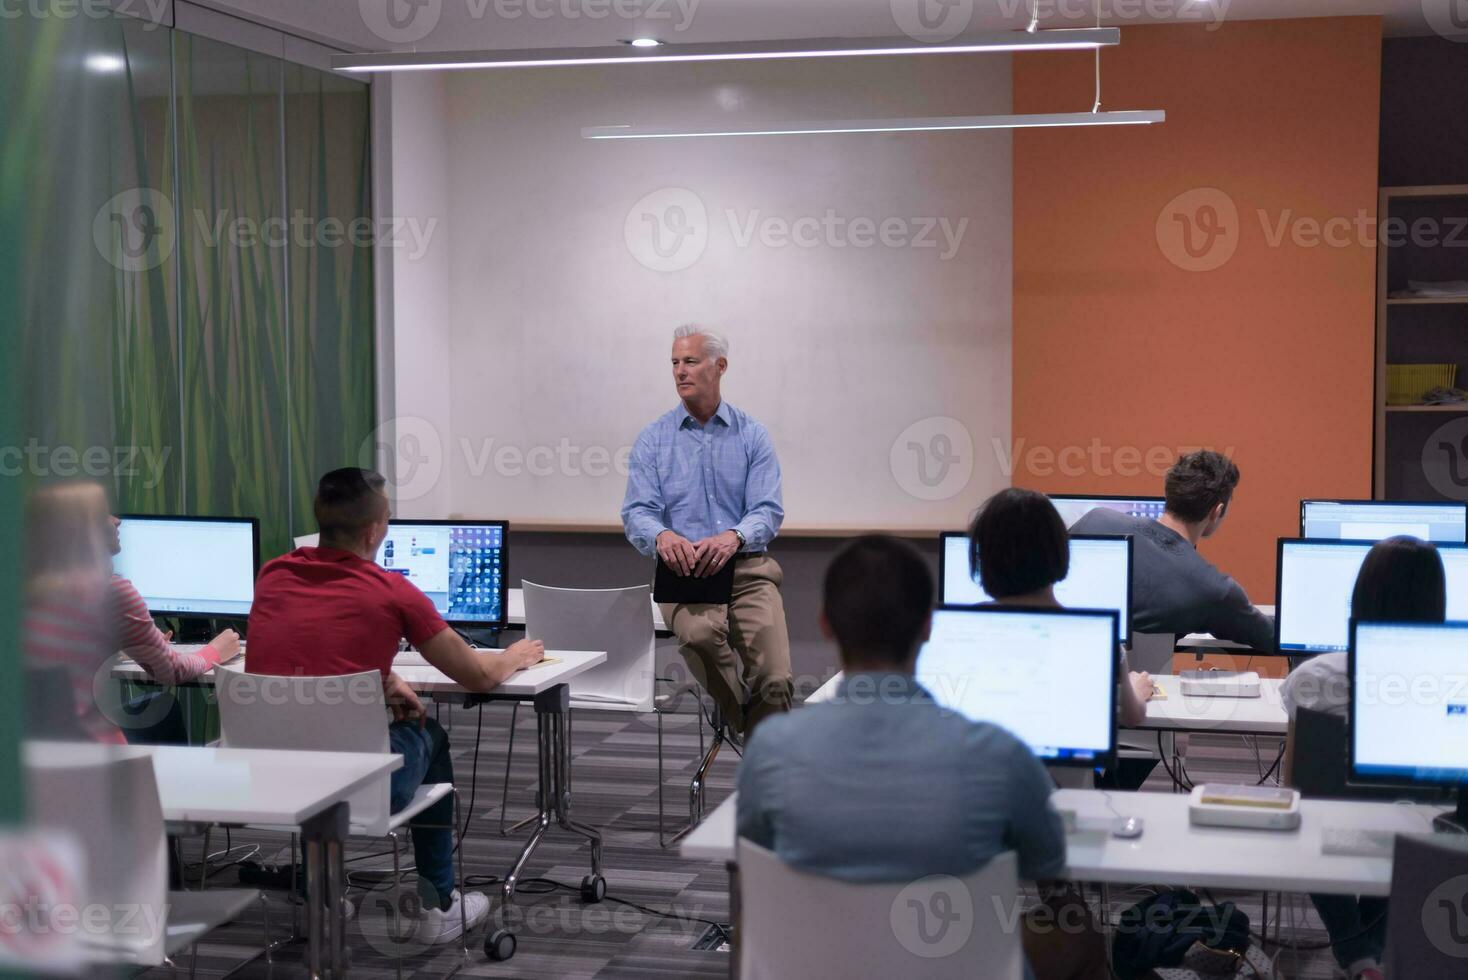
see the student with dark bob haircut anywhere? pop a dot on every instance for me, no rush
(1018, 544)
(1401, 580)
(1019, 549)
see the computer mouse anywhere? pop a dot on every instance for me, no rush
(1127, 827)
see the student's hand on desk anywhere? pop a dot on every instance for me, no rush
(528, 652)
(1142, 684)
(714, 553)
(226, 643)
(402, 699)
(677, 552)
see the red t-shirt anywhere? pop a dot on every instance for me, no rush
(320, 612)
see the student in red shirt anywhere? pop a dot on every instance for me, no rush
(332, 610)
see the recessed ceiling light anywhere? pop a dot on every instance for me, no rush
(644, 42)
(105, 63)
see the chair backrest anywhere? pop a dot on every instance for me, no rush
(1321, 767)
(618, 621)
(796, 924)
(107, 796)
(1427, 930)
(1152, 652)
(343, 713)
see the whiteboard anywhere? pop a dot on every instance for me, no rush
(863, 281)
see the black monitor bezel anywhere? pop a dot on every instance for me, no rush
(1386, 503)
(503, 621)
(1279, 584)
(1396, 779)
(1126, 639)
(254, 523)
(1108, 759)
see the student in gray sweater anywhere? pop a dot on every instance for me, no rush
(1175, 589)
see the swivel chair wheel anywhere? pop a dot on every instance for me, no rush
(499, 945)
(593, 889)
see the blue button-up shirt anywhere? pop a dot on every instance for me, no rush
(884, 784)
(702, 480)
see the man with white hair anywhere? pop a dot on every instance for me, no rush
(704, 490)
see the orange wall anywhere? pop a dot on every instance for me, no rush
(1119, 350)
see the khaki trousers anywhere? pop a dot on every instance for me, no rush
(739, 653)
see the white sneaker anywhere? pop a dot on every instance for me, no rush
(437, 926)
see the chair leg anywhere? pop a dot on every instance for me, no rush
(204, 861)
(463, 883)
(295, 891)
(397, 895)
(509, 758)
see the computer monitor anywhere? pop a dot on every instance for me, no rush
(1100, 576)
(196, 567)
(1372, 520)
(1409, 705)
(1314, 581)
(463, 566)
(1047, 675)
(1073, 507)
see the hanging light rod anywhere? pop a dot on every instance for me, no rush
(1070, 39)
(1129, 117)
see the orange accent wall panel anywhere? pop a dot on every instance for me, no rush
(1209, 281)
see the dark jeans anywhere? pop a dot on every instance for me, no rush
(425, 752)
(1128, 774)
(1356, 926)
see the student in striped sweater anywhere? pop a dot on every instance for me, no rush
(138, 637)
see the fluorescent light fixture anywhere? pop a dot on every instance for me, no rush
(1077, 39)
(645, 42)
(105, 64)
(1128, 117)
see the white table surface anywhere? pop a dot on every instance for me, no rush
(515, 613)
(430, 680)
(1173, 852)
(235, 786)
(1264, 715)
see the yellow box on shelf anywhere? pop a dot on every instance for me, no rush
(1408, 384)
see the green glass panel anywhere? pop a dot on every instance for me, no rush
(232, 306)
(330, 315)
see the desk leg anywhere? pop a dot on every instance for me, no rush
(735, 924)
(553, 802)
(322, 837)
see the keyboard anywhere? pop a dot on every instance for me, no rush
(1353, 842)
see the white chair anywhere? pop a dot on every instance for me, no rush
(108, 799)
(792, 923)
(617, 621)
(346, 713)
(1152, 652)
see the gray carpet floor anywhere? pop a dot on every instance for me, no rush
(615, 790)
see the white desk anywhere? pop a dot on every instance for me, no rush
(1173, 852)
(523, 685)
(235, 787)
(545, 686)
(515, 612)
(1264, 715)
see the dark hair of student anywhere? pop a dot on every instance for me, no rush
(1198, 482)
(1401, 580)
(878, 594)
(348, 500)
(1018, 544)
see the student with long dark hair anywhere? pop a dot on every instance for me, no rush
(1401, 580)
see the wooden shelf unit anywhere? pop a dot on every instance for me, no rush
(1384, 304)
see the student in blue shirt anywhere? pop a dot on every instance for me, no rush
(838, 788)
